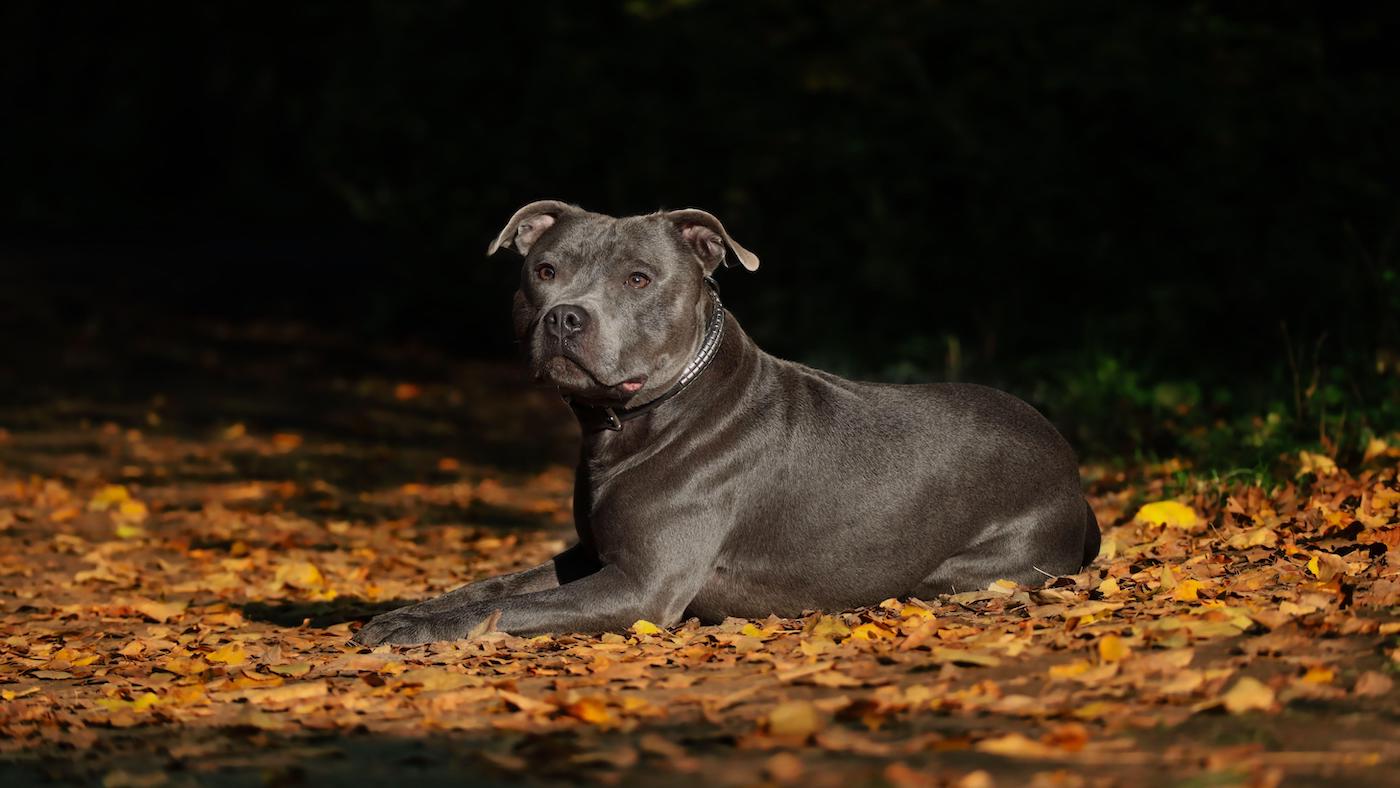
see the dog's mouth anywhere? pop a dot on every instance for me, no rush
(574, 377)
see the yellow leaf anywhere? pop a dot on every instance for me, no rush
(1109, 587)
(1248, 694)
(643, 627)
(914, 611)
(871, 632)
(591, 710)
(129, 531)
(1186, 591)
(299, 574)
(107, 497)
(1326, 566)
(1169, 513)
(1319, 675)
(1317, 464)
(132, 511)
(1069, 669)
(1004, 587)
(1112, 648)
(140, 703)
(754, 631)
(828, 627)
(794, 718)
(231, 655)
(1374, 448)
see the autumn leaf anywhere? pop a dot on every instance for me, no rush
(160, 612)
(1325, 566)
(1319, 464)
(1319, 674)
(139, 703)
(796, 718)
(291, 670)
(828, 627)
(1068, 670)
(1112, 648)
(438, 679)
(1187, 591)
(231, 655)
(1372, 684)
(1015, 745)
(871, 631)
(108, 497)
(916, 613)
(1169, 513)
(591, 710)
(1247, 695)
(643, 627)
(301, 575)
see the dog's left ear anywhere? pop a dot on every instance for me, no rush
(704, 234)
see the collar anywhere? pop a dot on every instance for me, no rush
(594, 418)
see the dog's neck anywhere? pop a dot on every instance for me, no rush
(702, 407)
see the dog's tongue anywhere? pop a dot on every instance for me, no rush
(632, 386)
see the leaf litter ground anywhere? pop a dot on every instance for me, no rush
(184, 554)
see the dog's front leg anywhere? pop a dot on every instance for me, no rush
(609, 599)
(572, 564)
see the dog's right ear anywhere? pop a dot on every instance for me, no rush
(528, 224)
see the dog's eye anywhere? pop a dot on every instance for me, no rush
(545, 271)
(638, 280)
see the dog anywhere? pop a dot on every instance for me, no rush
(715, 480)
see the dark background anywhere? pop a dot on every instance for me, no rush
(1171, 226)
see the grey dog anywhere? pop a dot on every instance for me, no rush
(715, 480)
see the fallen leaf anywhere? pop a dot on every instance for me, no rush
(1015, 745)
(231, 655)
(1187, 591)
(1319, 464)
(871, 632)
(1169, 513)
(591, 710)
(796, 718)
(302, 575)
(1247, 695)
(159, 612)
(291, 670)
(1112, 648)
(1372, 684)
(643, 627)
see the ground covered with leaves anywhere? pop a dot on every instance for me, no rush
(188, 539)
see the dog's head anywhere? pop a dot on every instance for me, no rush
(609, 309)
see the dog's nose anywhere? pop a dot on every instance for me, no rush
(565, 320)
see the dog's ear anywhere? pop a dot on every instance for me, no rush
(528, 224)
(707, 237)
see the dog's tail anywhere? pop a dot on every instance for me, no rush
(1092, 537)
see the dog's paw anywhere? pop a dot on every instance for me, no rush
(406, 626)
